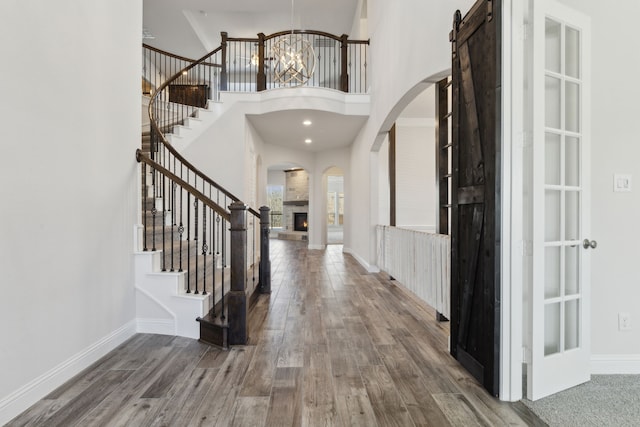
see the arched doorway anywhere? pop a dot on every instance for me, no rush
(334, 178)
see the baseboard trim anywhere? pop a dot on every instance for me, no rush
(370, 268)
(17, 402)
(316, 247)
(156, 326)
(611, 364)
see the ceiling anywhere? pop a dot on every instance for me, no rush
(326, 131)
(192, 28)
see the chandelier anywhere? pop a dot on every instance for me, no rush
(294, 58)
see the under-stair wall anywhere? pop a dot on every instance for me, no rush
(162, 304)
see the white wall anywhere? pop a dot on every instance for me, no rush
(415, 174)
(70, 111)
(423, 55)
(276, 177)
(221, 151)
(615, 277)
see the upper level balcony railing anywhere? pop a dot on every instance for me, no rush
(284, 59)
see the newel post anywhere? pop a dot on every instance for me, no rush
(344, 71)
(261, 78)
(223, 72)
(237, 297)
(265, 261)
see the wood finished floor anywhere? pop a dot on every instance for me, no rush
(331, 345)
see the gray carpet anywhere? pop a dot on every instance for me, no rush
(607, 400)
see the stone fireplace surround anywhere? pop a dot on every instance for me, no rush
(296, 200)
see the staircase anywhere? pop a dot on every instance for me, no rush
(200, 251)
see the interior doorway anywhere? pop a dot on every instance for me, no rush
(335, 206)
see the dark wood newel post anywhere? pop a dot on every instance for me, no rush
(265, 261)
(344, 76)
(223, 73)
(237, 297)
(261, 78)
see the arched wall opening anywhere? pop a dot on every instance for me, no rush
(333, 183)
(406, 163)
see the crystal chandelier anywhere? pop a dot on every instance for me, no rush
(294, 58)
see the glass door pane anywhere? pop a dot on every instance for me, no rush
(563, 197)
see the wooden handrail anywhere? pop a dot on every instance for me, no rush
(142, 158)
(311, 32)
(284, 33)
(164, 52)
(171, 149)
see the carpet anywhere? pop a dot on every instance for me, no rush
(607, 400)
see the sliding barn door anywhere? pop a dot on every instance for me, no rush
(476, 193)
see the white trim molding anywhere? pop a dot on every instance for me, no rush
(370, 268)
(156, 326)
(609, 364)
(21, 399)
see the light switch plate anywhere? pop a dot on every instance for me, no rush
(621, 183)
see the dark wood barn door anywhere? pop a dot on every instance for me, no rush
(476, 193)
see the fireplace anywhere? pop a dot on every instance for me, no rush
(300, 221)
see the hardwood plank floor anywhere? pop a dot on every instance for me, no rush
(332, 345)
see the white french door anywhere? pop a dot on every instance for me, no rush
(560, 348)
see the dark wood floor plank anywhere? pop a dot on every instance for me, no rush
(385, 400)
(184, 400)
(250, 411)
(422, 407)
(261, 372)
(36, 414)
(285, 406)
(433, 371)
(132, 388)
(213, 359)
(347, 380)
(219, 402)
(459, 411)
(356, 410)
(319, 401)
(136, 413)
(182, 361)
(78, 407)
(290, 357)
(360, 342)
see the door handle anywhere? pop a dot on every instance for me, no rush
(589, 244)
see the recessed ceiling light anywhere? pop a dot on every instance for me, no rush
(307, 141)
(307, 123)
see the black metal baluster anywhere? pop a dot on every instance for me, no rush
(154, 211)
(188, 238)
(254, 258)
(195, 238)
(215, 263)
(180, 227)
(173, 220)
(144, 207)
(204, 248)
(164, 213)
(224, 261)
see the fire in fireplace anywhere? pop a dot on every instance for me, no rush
(300, 221)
